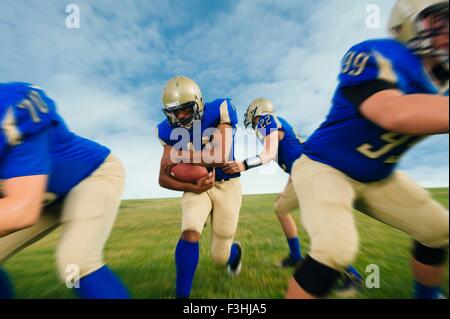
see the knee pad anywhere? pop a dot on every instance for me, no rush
(316, 278)
(429, 256)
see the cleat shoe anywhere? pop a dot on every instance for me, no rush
(288, 262)
(234, 269)
(351, 284)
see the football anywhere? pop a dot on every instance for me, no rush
(188, 172)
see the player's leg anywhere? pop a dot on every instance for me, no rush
(288, 202)
(196, 209)
(326, 200)
(89, 213)
(227, 199)
(284, 205)
(401, 203)
(428, 269)
(15, 242)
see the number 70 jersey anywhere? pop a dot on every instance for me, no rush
(351, 143)
(34, 140)
(23, 113)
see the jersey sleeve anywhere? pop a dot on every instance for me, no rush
(363, 64)
(267, 124)
(163, 137)
(29, 111)
(365, 72)
(30, 157)
(10, 135)
(228, 113)
(35, 112)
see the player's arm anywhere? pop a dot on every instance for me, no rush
(271, 144)
(370, 82)
(167, 181)
(415, 114)
(21, 205)
(25, 167)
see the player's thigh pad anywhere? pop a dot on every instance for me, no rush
(287, 201)
(326, 201)
(195, 211)
(89, 213)
(399, 202)
(227, 200)
(15, 242)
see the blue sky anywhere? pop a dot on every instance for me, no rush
(108, 75)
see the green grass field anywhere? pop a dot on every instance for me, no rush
(141, 251)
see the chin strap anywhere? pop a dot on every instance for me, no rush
(252, 162)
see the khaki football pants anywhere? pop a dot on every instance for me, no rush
(287, 202)
(86, 215)
(327, 198)
(223, 202)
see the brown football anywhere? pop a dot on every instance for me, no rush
(188, 172)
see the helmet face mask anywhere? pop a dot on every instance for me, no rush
(422, 25)
(249, 118)
(431, 24)
(184, 122)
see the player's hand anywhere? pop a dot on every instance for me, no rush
(205, 183)
(167, 165)
(233, 167)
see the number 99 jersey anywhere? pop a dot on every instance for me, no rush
(34, 140)
(349, 142)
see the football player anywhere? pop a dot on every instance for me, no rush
(80, 181)
(201, 133)
(392, 93)
(283, 145)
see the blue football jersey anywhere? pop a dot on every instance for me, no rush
(34, 140)
(290, 147)
(220, 111)
(349, 142)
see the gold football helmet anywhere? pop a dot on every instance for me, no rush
(407, 24)
(258, 107)
(181, 93)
